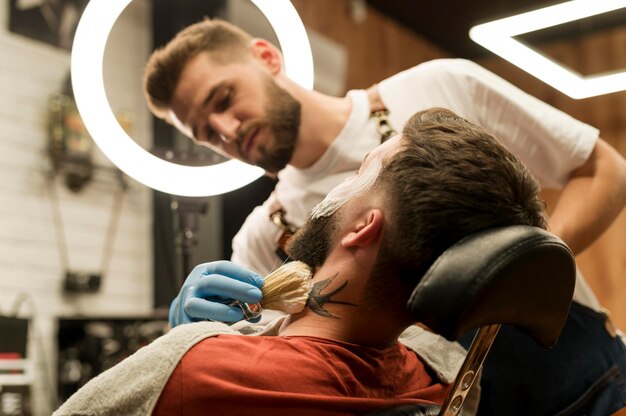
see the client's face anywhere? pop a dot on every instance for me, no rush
(313, 242)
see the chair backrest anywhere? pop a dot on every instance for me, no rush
(518, 275)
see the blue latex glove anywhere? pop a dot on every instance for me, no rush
(209, 288)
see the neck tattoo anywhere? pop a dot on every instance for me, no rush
(317, 300)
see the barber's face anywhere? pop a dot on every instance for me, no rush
(237, 110)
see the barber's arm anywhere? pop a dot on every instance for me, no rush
(208, 290)
(592, 198)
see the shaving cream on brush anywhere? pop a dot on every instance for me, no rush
(286, 289)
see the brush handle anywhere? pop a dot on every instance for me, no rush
(250, 310)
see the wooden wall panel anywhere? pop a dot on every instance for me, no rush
(378, 47)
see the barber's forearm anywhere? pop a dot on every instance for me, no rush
(592, 199)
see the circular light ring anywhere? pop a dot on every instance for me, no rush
(88, 84)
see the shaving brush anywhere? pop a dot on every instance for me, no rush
(286, 289)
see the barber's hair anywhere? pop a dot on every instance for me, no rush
(450, 179)
(224, 42)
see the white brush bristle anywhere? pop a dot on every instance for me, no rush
(287, 288)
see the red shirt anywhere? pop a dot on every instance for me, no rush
(263, 375)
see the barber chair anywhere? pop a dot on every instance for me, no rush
(518, 275)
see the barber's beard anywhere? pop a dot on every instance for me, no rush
(283, 120)
(312, 243)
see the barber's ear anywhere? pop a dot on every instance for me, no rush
(268, 54)
(367, 231)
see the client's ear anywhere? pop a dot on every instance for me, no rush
(268, 54)
(366, 231)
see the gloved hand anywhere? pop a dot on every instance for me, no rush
(208, 289)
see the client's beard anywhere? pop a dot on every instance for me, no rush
(312, 243)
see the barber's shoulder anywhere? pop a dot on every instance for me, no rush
(455, 67)
(436, 70)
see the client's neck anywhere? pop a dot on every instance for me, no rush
(336, 310)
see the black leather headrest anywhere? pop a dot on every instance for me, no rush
(518, 275)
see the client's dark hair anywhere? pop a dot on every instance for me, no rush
(450, 179)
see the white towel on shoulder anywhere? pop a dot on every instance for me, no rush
(134, 386)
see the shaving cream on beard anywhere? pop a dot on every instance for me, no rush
(348, 189)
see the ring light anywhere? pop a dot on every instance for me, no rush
(87, 80)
